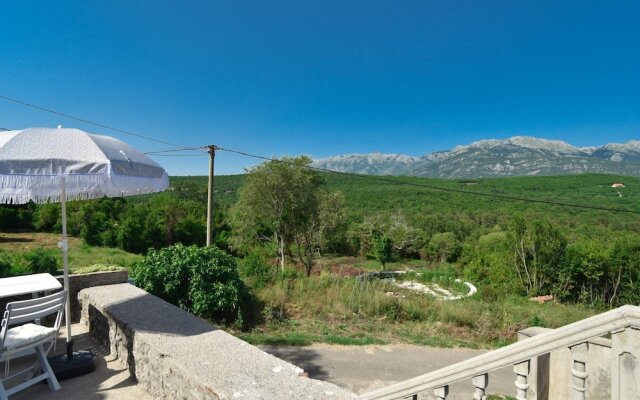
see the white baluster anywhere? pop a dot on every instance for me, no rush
(441, 392)
(580, 355)
(625, 364)
(522, 374)
(480, 382)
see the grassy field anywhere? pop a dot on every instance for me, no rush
(335, 309)
(331, 307)
(82, 258)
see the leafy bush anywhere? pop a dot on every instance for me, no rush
(16, 216)
(98, 268)
(444, 246)
(382, 248)
(47, 217)
(256, 267)
(41, 261)
(5, 268)
(202, 280)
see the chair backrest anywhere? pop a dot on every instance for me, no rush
(18, 312)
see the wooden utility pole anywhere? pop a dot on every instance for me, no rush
(212, 156)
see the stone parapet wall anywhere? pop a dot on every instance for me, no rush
(175, 355)
(78, 282)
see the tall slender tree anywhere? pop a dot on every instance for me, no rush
(279, 203)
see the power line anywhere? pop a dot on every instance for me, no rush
(155, 152)
(177, 155)
(434, 187)
(89, 122)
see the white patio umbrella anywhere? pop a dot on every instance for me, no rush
(56, 165)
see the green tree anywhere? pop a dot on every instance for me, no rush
(46, 217)
(488, 265)
(405, 239)
(16, 216)
(382, 248)
(445, 246)
(624, 270)
(538, 248)
(279, 203)
(333, 223)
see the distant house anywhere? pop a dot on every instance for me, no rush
(617, 185)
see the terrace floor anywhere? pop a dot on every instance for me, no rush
(110, 380)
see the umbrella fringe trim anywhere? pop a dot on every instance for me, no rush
(20, 189)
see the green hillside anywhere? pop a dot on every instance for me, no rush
(365, 196)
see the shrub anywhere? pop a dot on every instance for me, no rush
(382, 248)
(5, 268)
(98, 268)
(41, 261)
(444, 246)
(202, 280)
(46, 217)
(256, 267)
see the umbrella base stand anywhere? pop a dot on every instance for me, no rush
(72, 363)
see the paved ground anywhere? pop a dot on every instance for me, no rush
(364, 368)
(357, 368)
(110, 381)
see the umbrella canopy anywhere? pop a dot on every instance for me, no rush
(56, 165)
(33, 160)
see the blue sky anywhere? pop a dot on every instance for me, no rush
(325, 77)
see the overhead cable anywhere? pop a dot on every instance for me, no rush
(176, 155)
(155, 152)
(24, 103)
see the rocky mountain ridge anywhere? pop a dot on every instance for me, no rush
(515, 156)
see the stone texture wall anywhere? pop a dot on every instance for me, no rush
(175, 355)
(78, 282)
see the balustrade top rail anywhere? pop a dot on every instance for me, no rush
(615, 320)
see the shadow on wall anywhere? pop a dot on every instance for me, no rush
(147, 313)
(305, 358)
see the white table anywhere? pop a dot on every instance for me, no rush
(26, 284)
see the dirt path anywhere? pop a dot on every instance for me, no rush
(364, 368)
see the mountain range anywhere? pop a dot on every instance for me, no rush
(515, 156)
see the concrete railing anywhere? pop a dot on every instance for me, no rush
(622, 323)
(549, 377)
(175, 355)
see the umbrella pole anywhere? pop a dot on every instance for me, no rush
(72, 363)
(65, 261)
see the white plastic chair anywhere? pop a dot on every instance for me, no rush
(30, 336)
